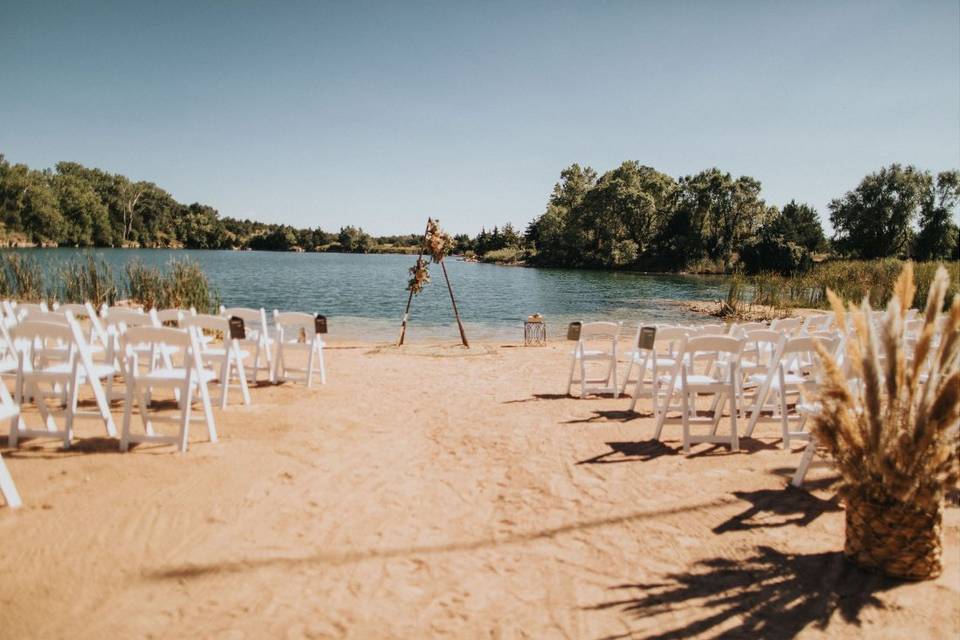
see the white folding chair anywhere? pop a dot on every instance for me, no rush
(792, 372)
(8, 410)
(257, 341)
(652, 363)
(786, 326)
(296, 332)
(227, 358)
(53, 362)
(698, 374)
(597, 344)
(185, 379)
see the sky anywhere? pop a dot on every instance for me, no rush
(380, 114)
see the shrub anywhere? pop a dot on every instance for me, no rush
(773, 253)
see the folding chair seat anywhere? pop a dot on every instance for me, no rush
(597, 345)
(54, 361)
(697, 375)
(186, 379)
(8, 410)
(226, 357)
(296, 332)
(257, 340)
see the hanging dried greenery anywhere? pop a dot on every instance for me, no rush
(891, 423)
(419, 276)
(437, 242)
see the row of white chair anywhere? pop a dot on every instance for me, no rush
(53, 353)
(750, 368)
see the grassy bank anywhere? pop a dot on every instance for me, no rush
(182, 284)
(850, 279)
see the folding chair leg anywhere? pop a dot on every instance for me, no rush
(735, 446)
(801, 473)
(7, 488)
(613, 371)
(573, 367)
(207, 411)
(225, 379)
(309, 373)
(686, 423)
(323, 368)
(784, 421)
(184, 436)
(242, 375)
(127, 413)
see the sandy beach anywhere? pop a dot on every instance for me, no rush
(430, 491)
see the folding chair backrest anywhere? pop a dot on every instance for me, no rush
(157, 340)
(128, 317)
(25, 308)
(743, 328)
(168, 317)
(290, 323)
(40, 339)
(814, 322)
(253, 319)
(787, 326)
(711, 330)
(600, 330)
(205, 322)
(707, 351)
(761, 347)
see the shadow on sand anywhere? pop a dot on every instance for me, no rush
(631, 452)
(777, 508)
(767, 595)
(350, 557)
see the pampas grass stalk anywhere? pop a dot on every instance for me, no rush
(891, 417)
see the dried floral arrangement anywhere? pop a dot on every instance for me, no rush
(436, 241)
(437, 244)
(890, 420)
(419, 276)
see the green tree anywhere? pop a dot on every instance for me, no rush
(875, 219)
(938, 237)
(800, 224)
(713, 214)
(86, 220)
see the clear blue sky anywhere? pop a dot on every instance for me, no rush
(379, 114)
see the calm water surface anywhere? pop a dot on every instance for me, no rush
(364, 295)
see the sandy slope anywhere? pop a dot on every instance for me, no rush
(419, 496)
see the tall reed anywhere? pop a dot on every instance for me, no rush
(849, 279)
(86, 279)
(23, 278)
(184, 285)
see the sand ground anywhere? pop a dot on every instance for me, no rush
(429, 493)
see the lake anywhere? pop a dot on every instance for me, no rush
(364, 295)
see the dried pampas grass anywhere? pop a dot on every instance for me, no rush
(891, 417)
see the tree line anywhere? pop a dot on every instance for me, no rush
(637, 217)
(73, 205)
(632, 217)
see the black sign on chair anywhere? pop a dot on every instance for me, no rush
(647, 337)
(320, 323)
(237, 329)
(573, 330)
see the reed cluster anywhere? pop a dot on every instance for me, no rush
(890, 420)
(183, 284)
(849, 279)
